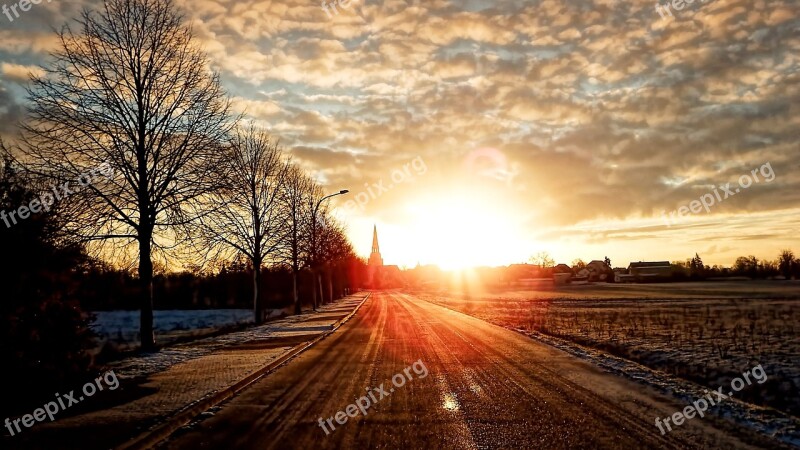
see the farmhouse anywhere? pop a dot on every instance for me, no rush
(562, 268)
(599, 271)
(650, 269)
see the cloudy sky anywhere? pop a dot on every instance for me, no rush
(484, 132)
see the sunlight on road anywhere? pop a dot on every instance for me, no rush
(450, 402)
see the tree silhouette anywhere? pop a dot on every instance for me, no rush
(129, 89)
(696, 267)
(244, 213)
(747, 266)
(334, 247)
(44, 333)
(578, 264)
(542, 259)
(787, 263)
(296, 189)
(315, 220)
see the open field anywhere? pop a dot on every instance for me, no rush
(708, 333)
(118, 331)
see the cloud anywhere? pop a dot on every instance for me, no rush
(19, 73)
(598, 106)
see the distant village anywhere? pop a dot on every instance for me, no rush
(595, 271)
(543, 270)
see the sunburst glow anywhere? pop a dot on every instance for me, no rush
(457, 231)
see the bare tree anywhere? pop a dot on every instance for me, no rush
(296, 189)
(747, 266)
(314, 210)
(245, 215)
(786, 263)
(542, 259)
(130, 90)
(334, 247)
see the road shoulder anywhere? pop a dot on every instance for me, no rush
(163, 391)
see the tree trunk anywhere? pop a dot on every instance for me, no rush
(330, 285)
(147, 336)
(297, 308)
(258, 310)
(295, 266)
(321, 292)
(313, 291)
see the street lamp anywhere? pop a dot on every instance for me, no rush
(314, 238)
(319, 203)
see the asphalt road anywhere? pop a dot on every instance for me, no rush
(474, 385)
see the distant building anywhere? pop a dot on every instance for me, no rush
(644, 270)
(527, 274)
(424, 276)
(621, 275)
(375, 258)
(378, 275)
(562, 268)
(522, 271)
(599, 271)
(562, 274)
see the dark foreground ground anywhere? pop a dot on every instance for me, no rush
(474, 385)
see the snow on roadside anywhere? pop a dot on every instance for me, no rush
(143, 365)
(123, 326)
(768, 421)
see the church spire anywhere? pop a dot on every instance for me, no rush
(375, 258)
(375, 247)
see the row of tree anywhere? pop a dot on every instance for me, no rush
(130, 90)
(787, 265)
(268, 210)
(44, 332)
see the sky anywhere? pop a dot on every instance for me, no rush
(481, 133)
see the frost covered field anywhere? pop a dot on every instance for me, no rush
(119, 330)
(708, 332)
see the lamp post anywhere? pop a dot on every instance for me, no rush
(314, 241)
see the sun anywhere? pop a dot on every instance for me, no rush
(459, 232)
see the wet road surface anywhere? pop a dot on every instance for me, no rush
(459, 382)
